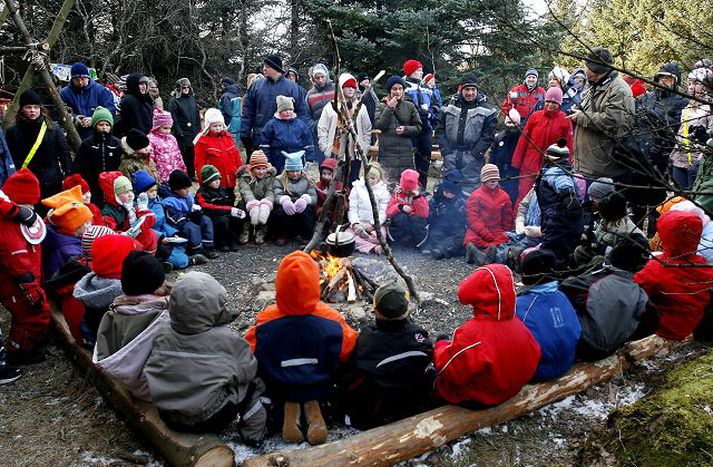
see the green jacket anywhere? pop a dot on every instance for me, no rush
(250, 188)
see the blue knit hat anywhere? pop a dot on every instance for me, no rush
(142, 181)
(394, 80)
(450, 181)
(293, 161)
(79, 70)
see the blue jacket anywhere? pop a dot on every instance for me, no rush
(7, 166)
(161, 226)
(83, 101)
(230, 106)
(422, 97)
(260, 104)
(288, 136)
(178, 209)
(551, 319)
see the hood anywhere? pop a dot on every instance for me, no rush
(297, 284)
(106, 183)
(55, 240)
(490, 290)
(97, 292)
(233, 89)
(680, 233)
(132, 84)
(198, 303)
(345, 77)
(669, 69)
(577, 71)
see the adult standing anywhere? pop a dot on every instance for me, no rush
(82, 96)
(526, 97)
(136, 107)
(465, 130)
(231, 105)
(369, 99)
(38, 144)
(606, 112)
(544, 128)
(154, 93)
(399, 122)
(260, 102)
(422, 97)
(321, 93)
(186, 121)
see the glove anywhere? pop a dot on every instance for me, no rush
(533, 231)
(196, 207)
(569, 204)
(520, 227)
(287, 205)
(250, 205)
(26, 216)
(239, 213)
(32, 292)
(300, 205)
(143, 202)
(406, 208)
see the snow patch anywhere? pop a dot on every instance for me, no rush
(459, 448)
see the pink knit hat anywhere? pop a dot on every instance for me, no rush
(409, 180)
(554, 94)
(161, 118)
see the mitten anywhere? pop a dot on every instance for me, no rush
(26, 215)
(264, 213)
(300, 205)
(406, 208)
(239, 213)
(287, 205)
(252, 204)
(30, 289)
(520, 227)
(255, 215)
(533, 231)
(266, 202)
(143, 202)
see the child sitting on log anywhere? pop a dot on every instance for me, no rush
(98, 289)
(548, 315)
(256, 189)
(296, 196)
(299, 343)
(611, 307)
(678, 282)
(200, 374)
(408, 212)
(126, 332)
(388, 378)
(492, 355)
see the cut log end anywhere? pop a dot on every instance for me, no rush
(219, 456)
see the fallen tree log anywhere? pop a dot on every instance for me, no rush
(421, 433)
(179, 449)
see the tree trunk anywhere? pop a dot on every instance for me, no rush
(294, 29)
(179, 449)
(411, 437)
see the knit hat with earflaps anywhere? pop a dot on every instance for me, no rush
(558, 150)
(179, 179)
(141, 274)
(319, 68)
(391, 302)
(102, 115)
(209, 173)
(136, 140)
(122, 185)
(489, 172)
(161, 118)
(22, 187)
(108, 254)
(212, 116)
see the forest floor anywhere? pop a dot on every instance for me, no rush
(54, 416)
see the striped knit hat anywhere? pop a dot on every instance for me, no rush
(258, 159)
(558, 150)
(489, 172)
(209, 173)
(92, 234)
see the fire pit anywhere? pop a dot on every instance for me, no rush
(340, 281)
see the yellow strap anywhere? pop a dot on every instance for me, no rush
(40, 137)
(686, 142)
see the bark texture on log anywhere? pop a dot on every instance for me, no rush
(179, 449)
(421, 433)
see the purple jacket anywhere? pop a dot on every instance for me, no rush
(57, 249)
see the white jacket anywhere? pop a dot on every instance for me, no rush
(327, 127)
(360, 206)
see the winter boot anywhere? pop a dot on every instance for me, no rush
(197, 259)
(245, 233)
(260, 234)
(291, 432)
(316, 428)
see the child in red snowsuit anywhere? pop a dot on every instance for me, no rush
(407, 212)
(20, 277)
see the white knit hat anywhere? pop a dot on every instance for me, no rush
(211, 116)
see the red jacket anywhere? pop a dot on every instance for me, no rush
(492, 356)
(680, 294)
(219, 151)
(544, 128)
(523, 100)
(17, 257)
(489, 215)
(419, 204)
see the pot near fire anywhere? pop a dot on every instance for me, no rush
(340, 244)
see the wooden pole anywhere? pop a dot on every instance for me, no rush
(38, 64)
(179, 449)
(421, 433)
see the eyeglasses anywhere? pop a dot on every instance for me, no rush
(185, 87)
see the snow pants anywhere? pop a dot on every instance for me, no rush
(29, 323)
(407, 230)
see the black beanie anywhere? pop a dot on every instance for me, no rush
(537, 267)
(30, 97)
(598, 59)
(141, 273)
(612, 207)
(274, 61)
(136, 139)
(179, 179)
(630, 254)
(469, 79)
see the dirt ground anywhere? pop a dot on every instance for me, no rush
(53, 416)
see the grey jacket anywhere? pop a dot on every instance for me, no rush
(198, 364)
(295, 189)
(606, 114)
(396, 151)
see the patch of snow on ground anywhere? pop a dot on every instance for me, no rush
(485, 431)
(459, 448)
(597, 407)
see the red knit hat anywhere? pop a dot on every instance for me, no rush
(109, 253)
(428, 78)
(409, 180)
(74, 180)
(22, 187)
(411, 66)
(329, 163)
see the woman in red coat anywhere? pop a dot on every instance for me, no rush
(216, 147)
(543, 129)
(491, 356)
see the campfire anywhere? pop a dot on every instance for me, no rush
(340, 281)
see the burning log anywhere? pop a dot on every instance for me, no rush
(340, 281)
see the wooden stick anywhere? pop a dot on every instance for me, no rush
(416, 435)
(179, 449)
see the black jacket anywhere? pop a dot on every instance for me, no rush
(51, 161)
(99, 153)
(216, 202)
(186, 119)
(135, 109)
(390, 376)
